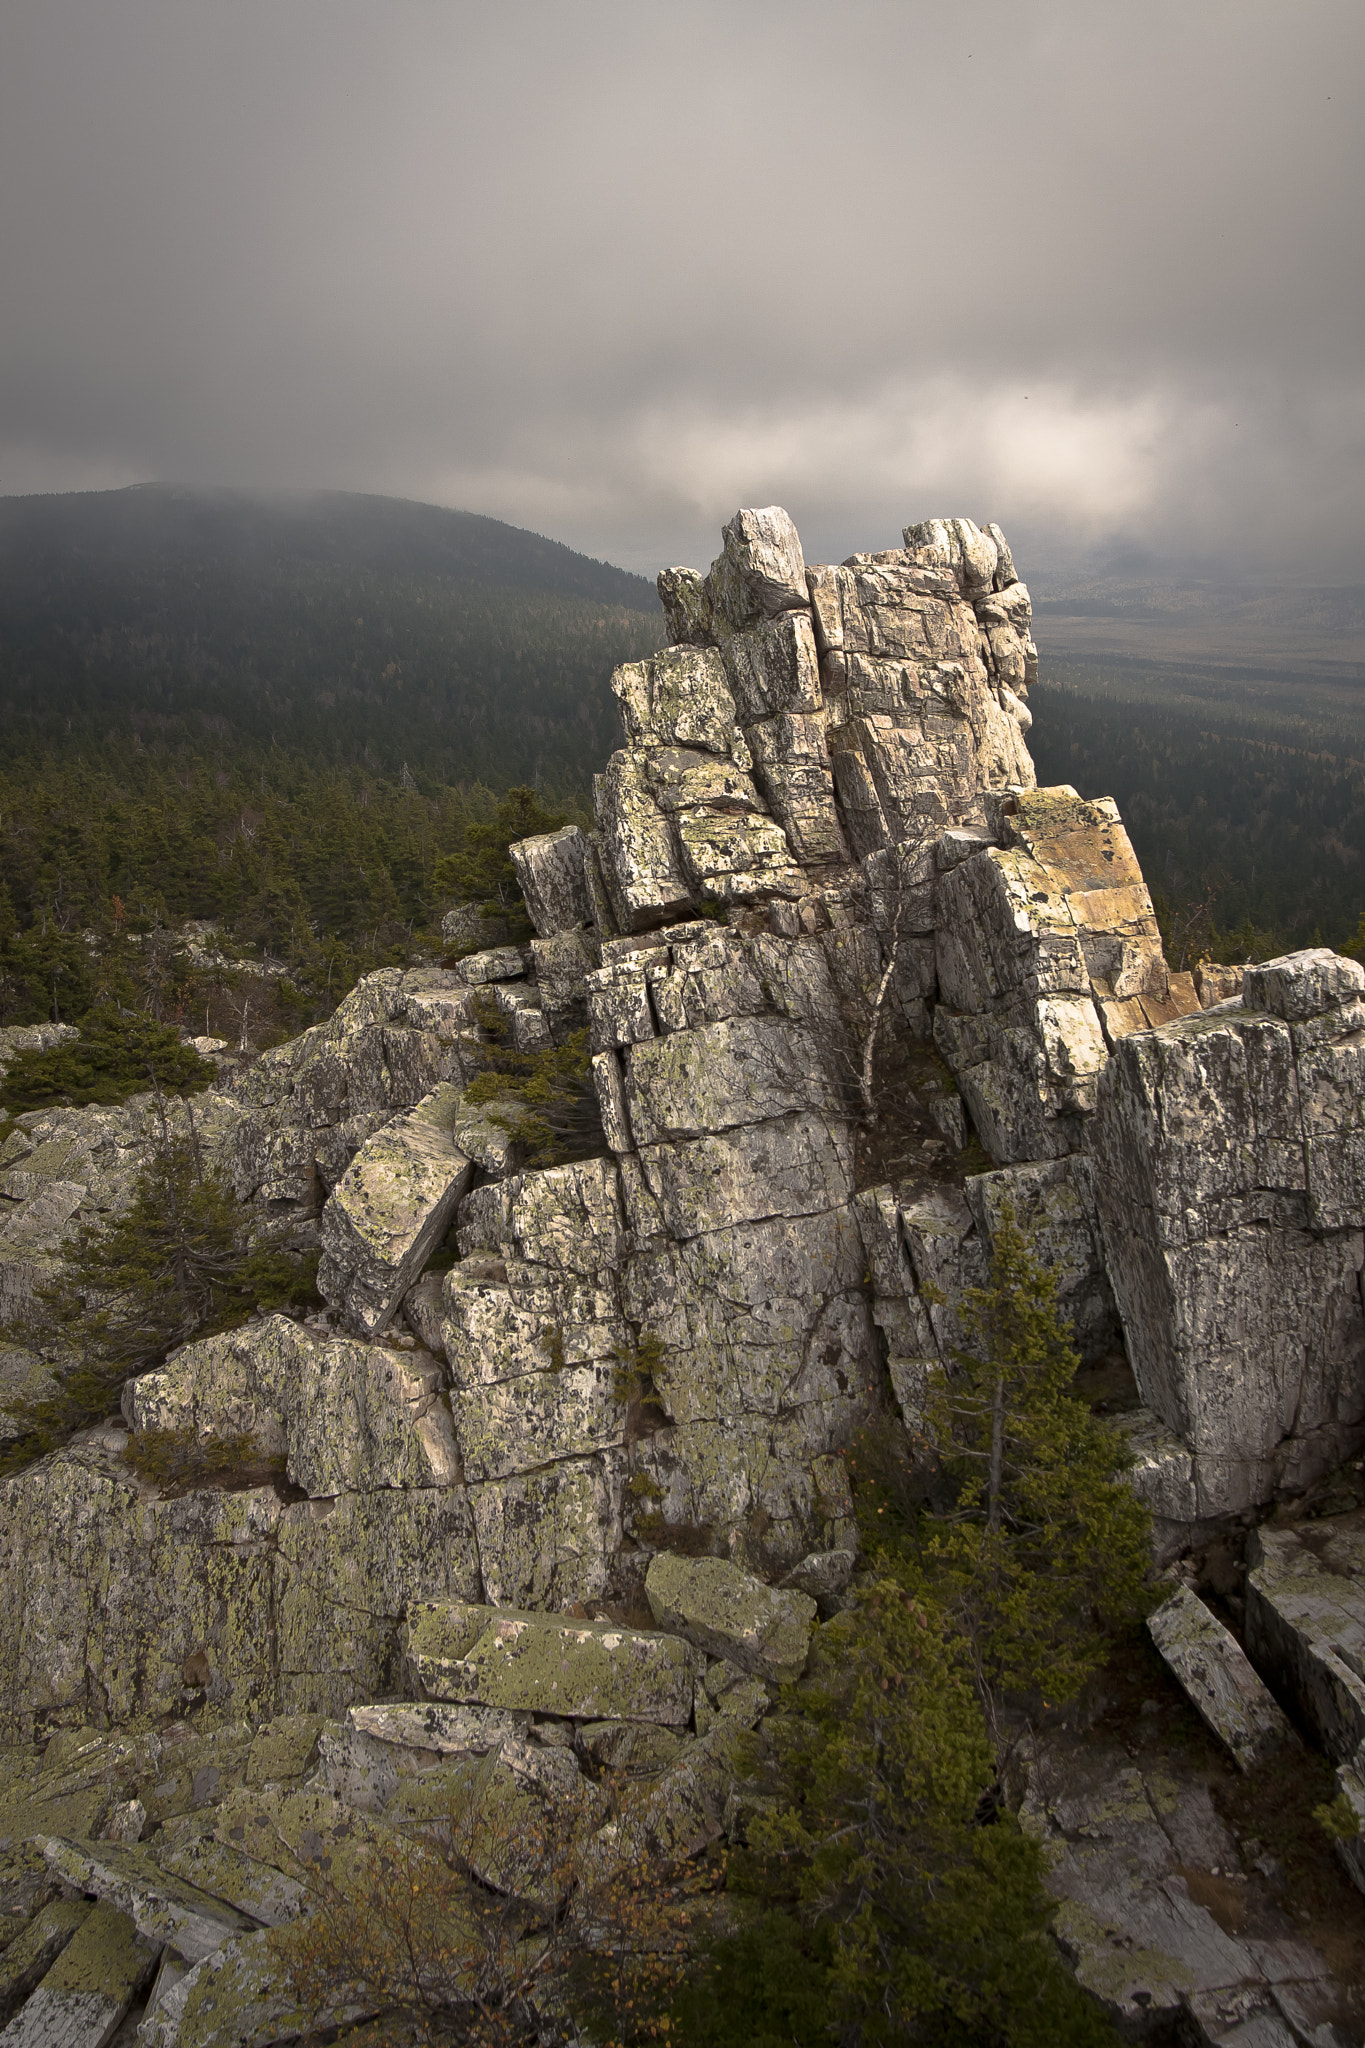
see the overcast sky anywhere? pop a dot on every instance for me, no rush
(609, 270)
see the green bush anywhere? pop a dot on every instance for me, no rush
(558, 1117)
(114, 1057)
(177, 1460)
(169, 1268)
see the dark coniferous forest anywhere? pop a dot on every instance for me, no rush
(279, 715)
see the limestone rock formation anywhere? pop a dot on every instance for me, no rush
(855, 989)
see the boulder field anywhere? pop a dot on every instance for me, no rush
(553, 1490)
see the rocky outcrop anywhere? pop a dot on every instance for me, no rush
(855, 990)
(823, 829)
(1227, 1169)
(681, 1335)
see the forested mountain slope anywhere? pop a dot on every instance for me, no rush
(357, 631)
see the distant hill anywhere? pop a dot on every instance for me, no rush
(355, 631)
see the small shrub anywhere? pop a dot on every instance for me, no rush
(480, 871)
(560, 1119)
(113, 1058)
(632, 1384)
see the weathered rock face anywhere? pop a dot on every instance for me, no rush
(823, 901)
(1047, 952)
(343, 1415)
(128, 1604)
(1228, 1178)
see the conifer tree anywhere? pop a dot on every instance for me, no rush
(480, 871)
(1042, 1546)
(169, 1267)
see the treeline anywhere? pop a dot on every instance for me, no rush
(1244, 797)
(326, 873)
(279, 716)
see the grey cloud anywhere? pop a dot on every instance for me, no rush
(609, 270)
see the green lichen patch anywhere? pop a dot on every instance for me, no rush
(587, 1671)
(764, 1629)
(283, 1749)
(107, 1956)
(31, 1954)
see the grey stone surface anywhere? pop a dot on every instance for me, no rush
(89, 1988)
(1234, 1244)
(129, 1605)
(764, 1629)
(165, 1910)
(1217, 1677)
(1302, 985)
(550, 870)
(302, 1110)
(588, 1671)
(562, 965)
(641, 865)
(31, 1954)
(1053, 1204)
(346, 1416)
(761, 570)
(468, 928)
(1047, 953)
(1134, 1852)
(446, 1730)
(1305, 1624)
(390, 1210)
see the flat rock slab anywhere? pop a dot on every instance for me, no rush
(90, 1986)
(449, 1731)
(265, 1895)
(239, 1997)
(585, 1671)
(1215, 1673)
(36, 1947)
(764, 1629)
(163, 1908)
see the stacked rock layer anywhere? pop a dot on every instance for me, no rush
(854, 987)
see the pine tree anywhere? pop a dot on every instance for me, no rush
(168, 1268)
(912, 1905)
(480, 871)
(1042, 1547)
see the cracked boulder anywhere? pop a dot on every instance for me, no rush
(344, 1416)
(390, 1210)
(1227, 1171)
(1047, 954)
(763, 1629)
